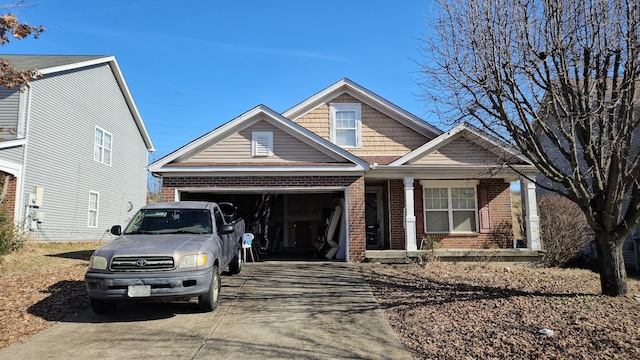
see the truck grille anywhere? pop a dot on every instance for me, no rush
(142, 263)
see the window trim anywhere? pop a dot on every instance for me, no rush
(101, 147)
(336, 107)
(90, 210)
(472, 184)
(255, 149)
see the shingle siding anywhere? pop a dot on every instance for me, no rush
(66, 108)
(381, 135)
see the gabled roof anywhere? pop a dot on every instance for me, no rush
(169, 163)
(368, 97)
(50, 64)
(489, 143)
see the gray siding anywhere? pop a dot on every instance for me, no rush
(65, 110)
(9, 110)
(13, 154)
(237, 148)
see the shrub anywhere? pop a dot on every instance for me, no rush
(11, 238)
(564, 231)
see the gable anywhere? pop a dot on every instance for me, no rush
(461, 151)
(227, 149)
(381, 134)
(236, 148)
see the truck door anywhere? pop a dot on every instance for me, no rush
(225, 239)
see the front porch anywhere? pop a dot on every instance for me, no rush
(455, 255)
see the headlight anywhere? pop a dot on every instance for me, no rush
(98, 262)
(189, 261)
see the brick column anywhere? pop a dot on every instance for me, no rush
(356, 216)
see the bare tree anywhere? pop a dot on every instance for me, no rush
(9, 25)
(560, 80)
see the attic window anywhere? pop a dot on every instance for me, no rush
(261, 143)
(346, 124)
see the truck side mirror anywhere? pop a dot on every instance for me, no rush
(116, 230)
(226, 229)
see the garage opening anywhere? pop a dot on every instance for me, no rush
(288, 226)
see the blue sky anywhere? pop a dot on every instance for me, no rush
(194, 65)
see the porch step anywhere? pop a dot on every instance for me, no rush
(455, 255)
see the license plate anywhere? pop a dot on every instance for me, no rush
(139, 290)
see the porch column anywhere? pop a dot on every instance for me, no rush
(531, 220)
(409, 215)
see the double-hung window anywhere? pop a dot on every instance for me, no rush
(94, 199)
(450, 207)
(346, 124)
(102, 146)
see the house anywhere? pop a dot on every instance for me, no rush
(392, 178)
(564, 127)
(74, 149)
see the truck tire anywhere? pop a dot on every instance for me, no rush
(102, 307)
(209, 300)
(235, 266)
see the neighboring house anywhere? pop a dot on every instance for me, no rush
(631, 246)
(74, 149)
(399, 178)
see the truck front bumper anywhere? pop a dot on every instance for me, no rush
(163, 286)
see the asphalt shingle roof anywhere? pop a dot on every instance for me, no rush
(31, 62)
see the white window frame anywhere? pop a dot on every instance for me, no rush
(472, 184)
(258, 146)
(99, 148)
(334, 108)
(93, 210)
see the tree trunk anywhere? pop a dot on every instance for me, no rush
(613, 276)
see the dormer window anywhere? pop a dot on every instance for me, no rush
(346, 124)
(261, 143)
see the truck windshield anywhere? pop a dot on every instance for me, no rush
(170, 221)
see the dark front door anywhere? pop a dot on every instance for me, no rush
(372, 219)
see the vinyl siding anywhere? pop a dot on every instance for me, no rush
(65, 110)
(13, 154)
(237, 148)
(381, 135)
(460, 151)
(9, 110)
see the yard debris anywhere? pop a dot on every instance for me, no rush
(480, 311)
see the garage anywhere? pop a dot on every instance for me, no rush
(296, 224)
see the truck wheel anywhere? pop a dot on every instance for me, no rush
(236, 264)
(102, 307)
(209, 300)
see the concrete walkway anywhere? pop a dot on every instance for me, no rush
(272, 310)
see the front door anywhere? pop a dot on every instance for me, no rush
(373, 218)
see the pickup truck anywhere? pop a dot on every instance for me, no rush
(168, 252)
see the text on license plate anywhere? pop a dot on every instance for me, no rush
(139, 290)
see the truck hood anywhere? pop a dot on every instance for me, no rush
(150, 245)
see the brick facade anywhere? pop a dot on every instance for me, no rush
(10, 197)
(353, 184)
(396, 210)
(501, 235)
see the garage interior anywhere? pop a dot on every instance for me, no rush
(288, 226)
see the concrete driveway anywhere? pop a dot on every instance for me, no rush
(272, 310)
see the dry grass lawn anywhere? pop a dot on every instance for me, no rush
(444, 311)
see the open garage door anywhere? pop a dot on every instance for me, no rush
(287, 225)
